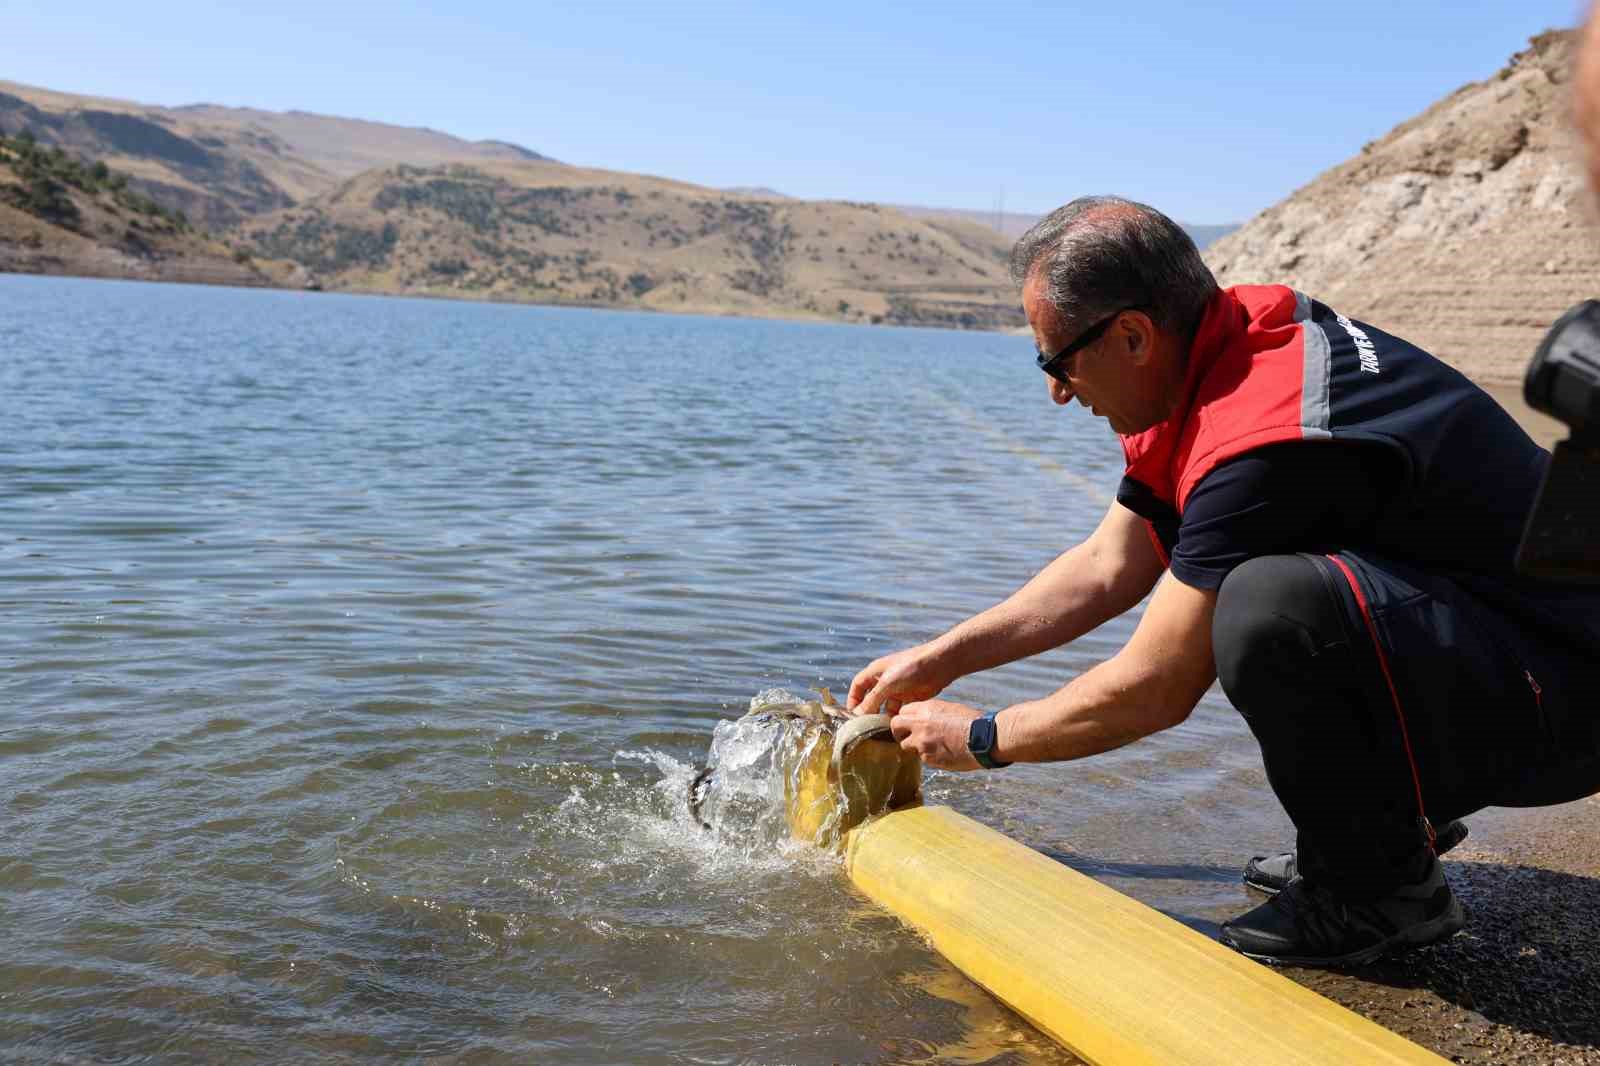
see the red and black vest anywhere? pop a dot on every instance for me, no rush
(1270, 365)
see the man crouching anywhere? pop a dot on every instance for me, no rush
(1337, 513)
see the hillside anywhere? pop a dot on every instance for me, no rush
(551, 233)
(60, 216)
(372, 207)
(368, 206)
(220, 165)
(1465, 229)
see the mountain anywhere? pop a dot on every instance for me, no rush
(350, 204)
(344, 147)
(1013, 224)
(550, 233)
(220, 165)
(1205, 235)
(1466, 229)
(303, 198)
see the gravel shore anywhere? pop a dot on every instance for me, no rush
(1521, 984)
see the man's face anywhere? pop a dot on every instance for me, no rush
(1101, 377)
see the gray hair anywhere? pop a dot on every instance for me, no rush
(1100, 254)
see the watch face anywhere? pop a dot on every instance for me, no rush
(980, 742)
(980, 735)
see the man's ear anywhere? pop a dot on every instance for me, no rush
(1138, 332)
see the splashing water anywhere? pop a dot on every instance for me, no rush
(740, 795)
(726, 819)
(799, 768)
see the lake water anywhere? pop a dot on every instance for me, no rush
(355, 654)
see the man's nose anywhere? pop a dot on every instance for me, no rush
(1060, 391)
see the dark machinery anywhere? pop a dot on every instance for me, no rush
(1561, 540)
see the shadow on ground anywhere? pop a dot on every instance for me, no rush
(1528, 960)
(1198, 874)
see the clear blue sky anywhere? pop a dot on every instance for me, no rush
(1211, 111)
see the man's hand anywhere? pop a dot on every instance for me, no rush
(889, 683)
(937, 731)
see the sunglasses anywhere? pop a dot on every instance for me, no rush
(1059, 365)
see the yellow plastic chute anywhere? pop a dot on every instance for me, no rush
(1112, 980)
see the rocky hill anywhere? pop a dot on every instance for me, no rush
(62, 216)
(220, 165)
(550, 233)
(1467, 229)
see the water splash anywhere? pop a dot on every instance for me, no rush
(742, 800)
(738, 796)
(793, 768)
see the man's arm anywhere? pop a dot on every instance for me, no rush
(1150, 685)
(1085, 586)
(1284, 498)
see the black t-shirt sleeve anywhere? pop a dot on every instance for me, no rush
(1300, 497)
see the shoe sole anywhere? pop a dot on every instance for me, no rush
(1451, 922)
(1446, 843)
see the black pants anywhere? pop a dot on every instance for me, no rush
(1382, 696)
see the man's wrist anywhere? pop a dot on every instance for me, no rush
(983, 741)
(940, 656)
(1005, 732)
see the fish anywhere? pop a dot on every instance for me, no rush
(837, 770)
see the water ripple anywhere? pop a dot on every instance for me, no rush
(325, 619)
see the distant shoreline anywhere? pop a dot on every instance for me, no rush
(268, 282)
(1506, 390)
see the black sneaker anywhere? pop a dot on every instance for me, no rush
(1308, 925)
(1270, 873)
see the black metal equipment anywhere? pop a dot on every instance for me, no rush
(1561, 540)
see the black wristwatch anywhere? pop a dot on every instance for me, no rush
(980, 741)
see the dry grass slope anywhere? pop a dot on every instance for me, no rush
(219, 164)
(541, 231)
(58, 216)
(367, 206)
